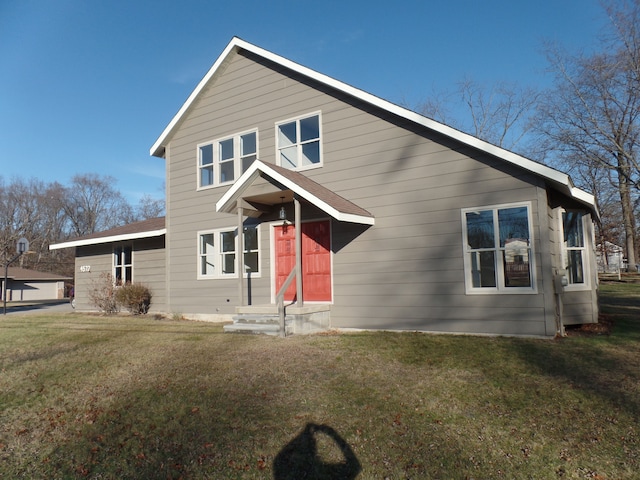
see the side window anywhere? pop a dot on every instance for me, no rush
(217, 250)
(123, 264)
(223, 161)
(205, 165)
(574, 247)
(498, 249)
(206, 254)
(248, 150)
(298, 143)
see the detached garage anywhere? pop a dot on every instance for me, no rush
(25, 285)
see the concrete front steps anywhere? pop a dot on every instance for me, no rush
(264, 319)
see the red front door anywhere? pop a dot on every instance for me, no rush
(316, 260)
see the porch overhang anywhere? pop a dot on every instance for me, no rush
(312, 192)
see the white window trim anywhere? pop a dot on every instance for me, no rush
(299, 145)
(237, 159)
(586, 258)
(124, 265)
(218, 254)
(500, 289)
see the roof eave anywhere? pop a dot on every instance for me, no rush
(108, 239)
(158, 148)
(228, 201)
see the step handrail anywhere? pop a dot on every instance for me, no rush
(280, 300)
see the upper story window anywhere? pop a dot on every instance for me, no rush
(217, 251)
(123, 264)
(298, 143)
(574, 252)
(224, 160)
(498, 249)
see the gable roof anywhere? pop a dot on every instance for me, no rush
(330, 202)
(25, 274)
(559, 180)
(154, 227)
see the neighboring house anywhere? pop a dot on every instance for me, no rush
(610, 257)
(27, 285)
(395, 221)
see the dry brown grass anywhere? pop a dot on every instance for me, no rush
(118, 397)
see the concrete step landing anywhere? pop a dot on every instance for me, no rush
(264, 319)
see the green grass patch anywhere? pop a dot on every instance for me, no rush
(134, 397)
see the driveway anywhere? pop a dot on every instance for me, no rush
(40, 306)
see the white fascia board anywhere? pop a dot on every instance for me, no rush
(534, 167)
(112, 238)
(156, 148)
(225, 204)
(523, 162)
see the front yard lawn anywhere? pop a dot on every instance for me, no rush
(86, 396)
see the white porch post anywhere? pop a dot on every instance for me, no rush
(240, 257)
(298, 222)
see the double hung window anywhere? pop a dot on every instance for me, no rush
(123, 264)
(217, 250)
(498, 252)
(574, 247)
(298, 143)
(224, 160)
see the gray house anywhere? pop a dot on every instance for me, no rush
(288, 187)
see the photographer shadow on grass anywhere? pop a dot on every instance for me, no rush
(301, 457)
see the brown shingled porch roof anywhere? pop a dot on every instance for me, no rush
(328, 201)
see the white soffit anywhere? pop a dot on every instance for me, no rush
(108, 239)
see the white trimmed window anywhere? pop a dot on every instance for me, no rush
(222, 161)
(574, 251)
(217, 252)
(298, 143)
(123, 264)
(498, 249)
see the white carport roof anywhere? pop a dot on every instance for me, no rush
(153, 227)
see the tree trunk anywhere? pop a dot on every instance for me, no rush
(628, 218)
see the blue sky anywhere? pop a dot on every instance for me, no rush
(88, 86)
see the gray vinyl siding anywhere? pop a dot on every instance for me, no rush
(407, 271)
(148, 269)
(99, 259)
(581, 306)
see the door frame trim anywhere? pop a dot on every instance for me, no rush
(272, 258)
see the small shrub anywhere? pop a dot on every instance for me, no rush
(134, 297)
(102, 294)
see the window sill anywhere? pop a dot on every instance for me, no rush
(577, 288)
(226, 277)
(217, 185)
(510, 291)
(303, 169)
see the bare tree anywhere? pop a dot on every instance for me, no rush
(92, 204)
(499, 114)
(149, 207)
(591, 117)
(20, 213)
(47, 213)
